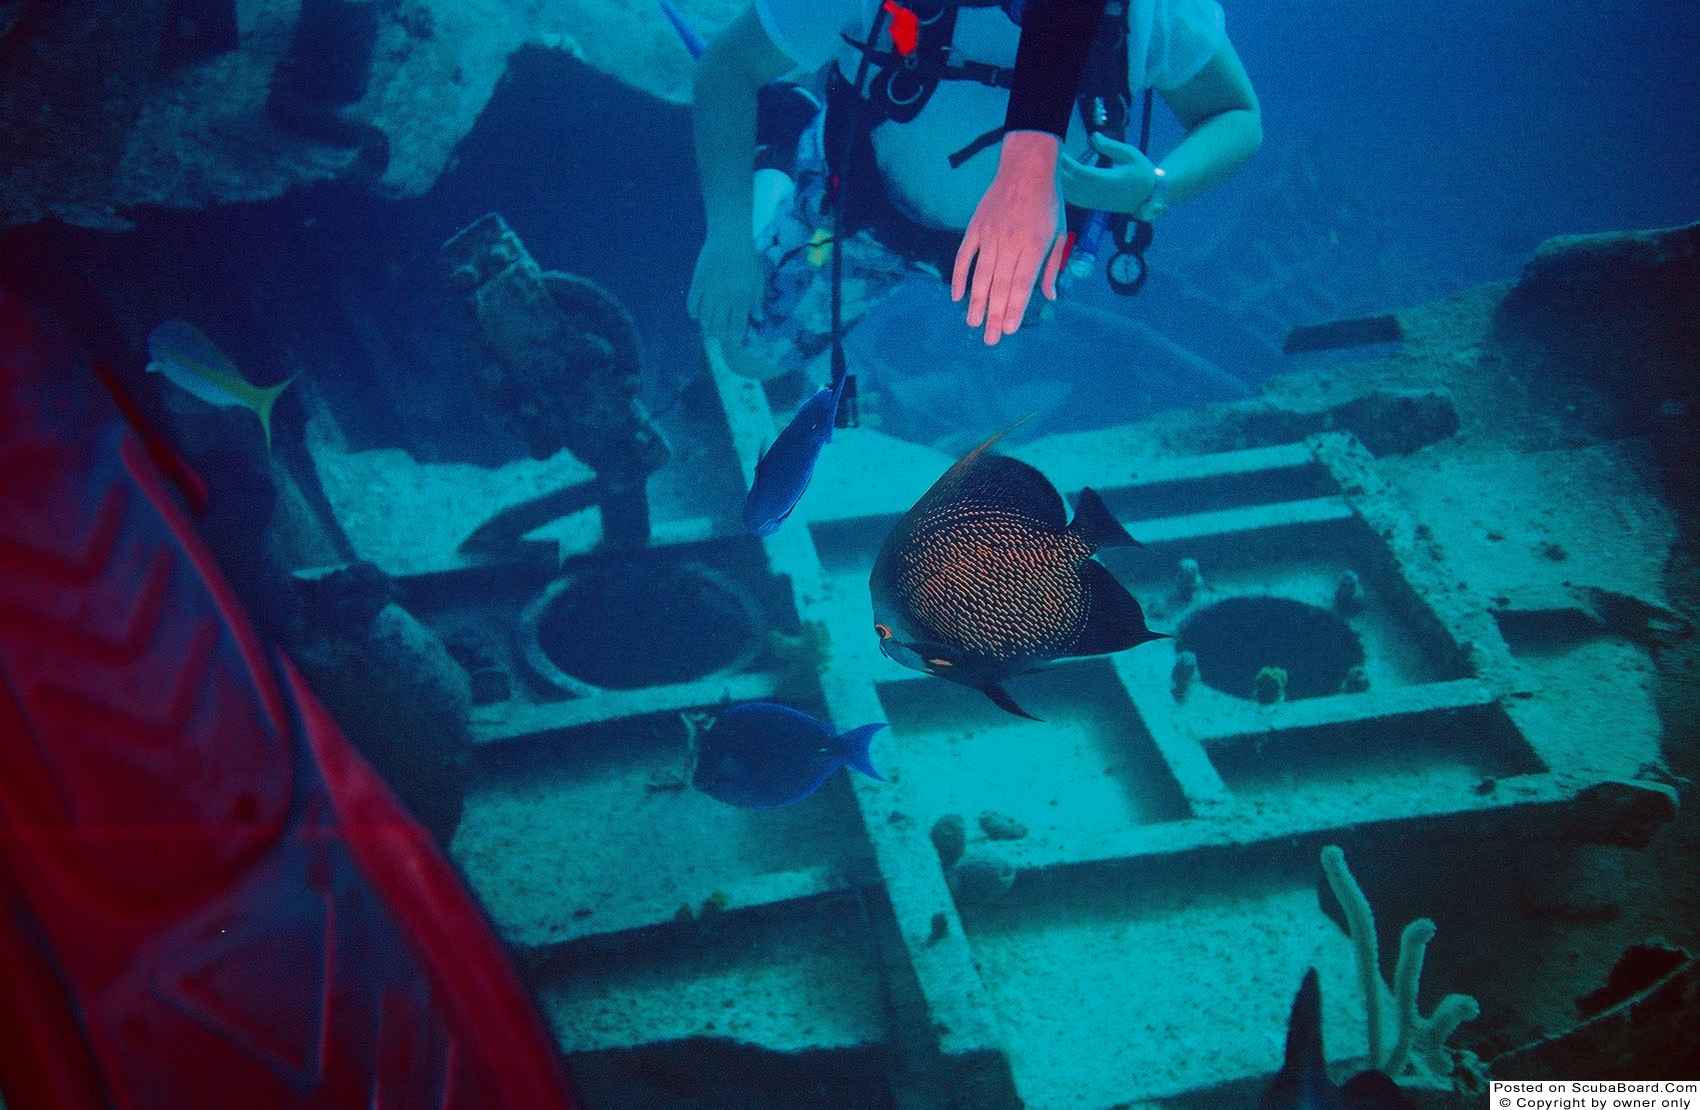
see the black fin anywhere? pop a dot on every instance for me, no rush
(949, 478)
(933, 649)
(1000, 698)
(1373, 1090)
(998, 481)
(1114, 620)
(1303, 1079)
(1094, 524)
(940, 657)
(1304, 1025)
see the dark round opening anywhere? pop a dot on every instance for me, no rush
(1235, 639)
(623, 628)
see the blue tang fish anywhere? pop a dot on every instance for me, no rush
(759, 755)
(784, 470)
(1303, 1083)
(985, 577)
(190, 360)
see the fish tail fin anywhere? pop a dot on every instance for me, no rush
(855, 745)
(1094, 523)
(264, 399)
(1114, 620)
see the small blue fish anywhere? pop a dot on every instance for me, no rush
(193, 362)
(1303, 1083)
(759, 755)
(784, 470)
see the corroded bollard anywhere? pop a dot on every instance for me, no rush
(561, 367)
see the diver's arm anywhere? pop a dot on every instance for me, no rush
(1224, 128)
(1015, 228)
(726, 287)
(1056, 40)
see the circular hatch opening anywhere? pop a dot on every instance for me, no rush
(1236, 638)
(628, 627)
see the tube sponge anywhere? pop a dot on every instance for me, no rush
(1418, 1053)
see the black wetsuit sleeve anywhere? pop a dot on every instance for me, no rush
(1056, 39)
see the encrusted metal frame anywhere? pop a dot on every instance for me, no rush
(1161, 821)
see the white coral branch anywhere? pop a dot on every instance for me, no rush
(1419, 1053)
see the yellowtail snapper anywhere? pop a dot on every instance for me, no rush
(985, 578)
(193, 362)
(784, 470)
(760, 755)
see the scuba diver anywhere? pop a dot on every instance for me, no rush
(913, 140)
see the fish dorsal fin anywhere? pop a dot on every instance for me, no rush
(190, 348)
(1094, 523)
(769, 708)
(975, 455)
(1114, 620)
(1304, 1024)
(1303, 1079)
(948, 483)
(1012, 485)
(183, 340)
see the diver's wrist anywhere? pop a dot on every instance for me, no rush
(1157, 202)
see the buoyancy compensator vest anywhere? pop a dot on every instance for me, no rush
(909, 50)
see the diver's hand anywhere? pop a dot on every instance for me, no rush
(1122, 186)
(1016, 222)
(726, 289)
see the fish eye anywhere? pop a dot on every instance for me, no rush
(883, 632)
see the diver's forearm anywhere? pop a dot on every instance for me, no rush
(1212, 152)
(723, 121)
(1056, 38)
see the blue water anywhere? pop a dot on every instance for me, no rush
(1463, 123)
(1411, 151)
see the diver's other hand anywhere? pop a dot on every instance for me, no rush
(1016, 222)
(726, 289)
(1122, 186)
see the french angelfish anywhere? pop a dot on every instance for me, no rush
(1303, 1083)
(985, 577)
(190, 360)
(784, 469)
(759, 755)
